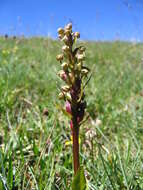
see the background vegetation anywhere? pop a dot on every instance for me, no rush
(35, 147)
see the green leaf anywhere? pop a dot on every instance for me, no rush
(35, 149)
(79, 181)
(10, 173)
(1, 185)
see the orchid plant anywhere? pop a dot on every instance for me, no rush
(75, 76)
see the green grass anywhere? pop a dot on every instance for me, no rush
(33, 154)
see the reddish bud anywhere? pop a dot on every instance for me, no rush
(68, 107)
(71, 125)
(79, 119)
(62, 75)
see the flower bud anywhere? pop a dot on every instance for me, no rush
(59, 57)
(84, 72)
(71, 66)
(77, 34)
(60, 36)
(65, 48)
(79, 66)
(62, 75)
(68, 107)
(72, 78)
(71, 125)
(60, 31)
(68, 26)
(79, 119)
(65, 88)
(68, 96)
(67, 32)
(80, 57)
(65, 39)
(61, 72)
(65, 66)
(61, 95)
(82, 49)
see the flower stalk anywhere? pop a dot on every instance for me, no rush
(73, 73)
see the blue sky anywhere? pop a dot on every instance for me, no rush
(95, 19)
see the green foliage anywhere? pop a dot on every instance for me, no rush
(79, 181)
(33, 154)
(10, 173)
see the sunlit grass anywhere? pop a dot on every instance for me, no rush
(33, 151)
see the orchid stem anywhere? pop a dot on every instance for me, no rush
(76, 147)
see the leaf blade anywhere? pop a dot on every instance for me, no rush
(79, 181)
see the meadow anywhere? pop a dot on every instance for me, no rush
(35, 137)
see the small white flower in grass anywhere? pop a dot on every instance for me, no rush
(97, 122)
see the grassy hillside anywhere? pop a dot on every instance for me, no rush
(34, 153)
